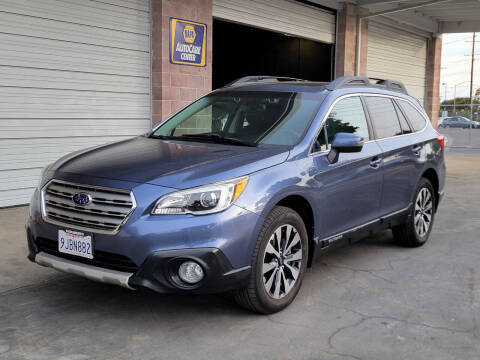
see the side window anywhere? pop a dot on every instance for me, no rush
(416, 119)
(403, 121)
(384, 117)
(346, 116)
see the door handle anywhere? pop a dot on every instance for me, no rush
(416, 149)
(375, 163)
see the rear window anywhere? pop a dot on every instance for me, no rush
(416, 119)
(384, 117)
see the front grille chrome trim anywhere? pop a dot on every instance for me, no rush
(109, 210)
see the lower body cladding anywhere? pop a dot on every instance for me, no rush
(161, 271)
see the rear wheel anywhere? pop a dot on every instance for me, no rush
(278, 265)
(416, 230)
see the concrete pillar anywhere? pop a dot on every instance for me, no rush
(175, 86)
(347, 42)
(434, 63)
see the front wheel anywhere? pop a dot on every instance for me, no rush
(416, 230)
(278, 265)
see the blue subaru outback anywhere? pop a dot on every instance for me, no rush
(243, 189)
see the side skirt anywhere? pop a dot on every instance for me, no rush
(361, 232)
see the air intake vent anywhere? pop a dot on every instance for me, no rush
(102, 259)
(101, 210)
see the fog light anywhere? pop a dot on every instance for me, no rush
(190, 272)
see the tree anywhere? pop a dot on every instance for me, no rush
(462, 106)
(460, 101)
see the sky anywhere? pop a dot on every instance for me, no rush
(456, 65)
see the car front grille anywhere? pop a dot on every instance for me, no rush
(106, 211)
(101, 259)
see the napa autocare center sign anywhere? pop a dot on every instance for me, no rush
(188, 42)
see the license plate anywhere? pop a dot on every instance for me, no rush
(75, 243)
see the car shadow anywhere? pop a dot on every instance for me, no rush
(77, 294)
(384, 239)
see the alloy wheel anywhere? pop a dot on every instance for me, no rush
(282, 261)
(423, 212)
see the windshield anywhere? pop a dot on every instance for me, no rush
(277, 118)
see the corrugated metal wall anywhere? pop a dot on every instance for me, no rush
(398, 55)
(73, 74)
(283, 16)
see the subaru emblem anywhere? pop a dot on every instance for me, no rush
(82, 198)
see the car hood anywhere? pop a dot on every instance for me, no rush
(175, 164)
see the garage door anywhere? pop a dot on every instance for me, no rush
(399, 55)
(73, 74)
(284, 16)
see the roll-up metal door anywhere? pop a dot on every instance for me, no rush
(73, 74)
(284, 16)
(398, 55)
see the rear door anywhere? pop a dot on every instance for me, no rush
(348, 192)
(400, 153)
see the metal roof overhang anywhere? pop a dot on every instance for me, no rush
(433, 16)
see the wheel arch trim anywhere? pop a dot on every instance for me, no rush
(307, 213)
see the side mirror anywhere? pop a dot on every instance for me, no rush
(346, 143)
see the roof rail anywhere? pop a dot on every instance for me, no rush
(253, 79)
(363, 81)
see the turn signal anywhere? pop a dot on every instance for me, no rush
(239, 188)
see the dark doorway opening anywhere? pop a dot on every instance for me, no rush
(240, 50)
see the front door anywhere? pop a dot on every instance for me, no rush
(348, 192)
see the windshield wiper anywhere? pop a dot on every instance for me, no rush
(219, 139)
(163, 137)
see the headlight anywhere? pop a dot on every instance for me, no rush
(42, 174)
(201, 200)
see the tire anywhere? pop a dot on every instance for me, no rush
(260, 294)
(413, 233)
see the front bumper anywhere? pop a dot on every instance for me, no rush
(147, 250)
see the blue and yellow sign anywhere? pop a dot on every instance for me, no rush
(188, 42)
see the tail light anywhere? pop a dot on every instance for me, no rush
(441, 141)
